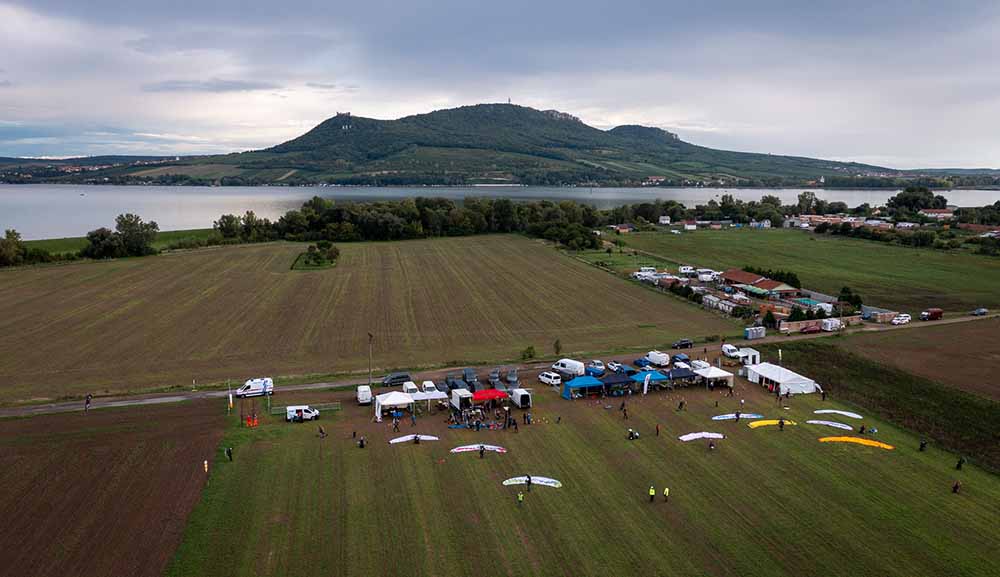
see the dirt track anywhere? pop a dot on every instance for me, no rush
(101, 494)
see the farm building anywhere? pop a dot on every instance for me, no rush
(777, 288)
(735, 276)
(785, 380)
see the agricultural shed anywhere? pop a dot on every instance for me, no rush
(395, 399)
(586, 383)
(786, 380)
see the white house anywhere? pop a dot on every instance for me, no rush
(937, 213)
(664, 220)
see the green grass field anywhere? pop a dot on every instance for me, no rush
(75, 244)
(885, 275)
(766, 502)
(237, 312)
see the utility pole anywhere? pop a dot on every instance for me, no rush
(371, 340)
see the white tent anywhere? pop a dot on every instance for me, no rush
(787, 381)
(429, 396)
(390, 400)
(715, 373)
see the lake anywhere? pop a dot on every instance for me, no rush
(55, 211)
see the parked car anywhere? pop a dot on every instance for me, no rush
(681, 358)
(569, 368)
(811, 330)
(731, 351)
(595, 368)
(256, 388)
(686, 270)
(511, 379)
(901, 319)
(364, 395)
(696, 364)
(494, 377)
(683, 344)
(470, 376)
(931, 314)
(681, 365)
(550, 378)
(409, 387)
(429, 387)
(658, 359)
(300, 413)
(395, 379)
(641, 362)
(614, 367)
(454, 381)
(980, 312)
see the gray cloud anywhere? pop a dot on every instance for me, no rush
(850, 79)
(5, 83)
(212, 85)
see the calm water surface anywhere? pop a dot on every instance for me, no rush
(54, 211)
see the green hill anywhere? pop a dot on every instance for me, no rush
(488, 143)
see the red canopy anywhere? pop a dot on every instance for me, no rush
(488, 394)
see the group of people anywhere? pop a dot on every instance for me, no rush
(652, 494)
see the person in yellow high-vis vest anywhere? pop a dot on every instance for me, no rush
(666, 494)
(652, 493)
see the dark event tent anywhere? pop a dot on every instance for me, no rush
(586, 382)
(488, 395)
(676, 374)
(614, 379)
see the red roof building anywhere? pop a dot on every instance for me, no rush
(738, 276)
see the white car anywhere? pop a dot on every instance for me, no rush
(614, 367)
(696, 364)
(686, 270)
(409, 387)
(681, 365)
(550, 378)
(731, 351)
(901, 319)
(429, 387)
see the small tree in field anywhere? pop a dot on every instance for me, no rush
(528, 353)
(557, 347)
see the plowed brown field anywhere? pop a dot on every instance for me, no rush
(104, 493)
(239, 312)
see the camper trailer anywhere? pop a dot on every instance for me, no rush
(461, 399)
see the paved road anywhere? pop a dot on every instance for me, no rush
(435, 375)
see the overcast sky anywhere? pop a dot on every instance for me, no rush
(902, 84)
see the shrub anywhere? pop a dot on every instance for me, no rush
(528, 353)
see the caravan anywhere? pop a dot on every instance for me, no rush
(461, 399)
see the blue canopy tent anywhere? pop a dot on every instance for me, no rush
(578, 383)
(654, 376)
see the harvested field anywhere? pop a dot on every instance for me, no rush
(963, 355)
(891, 276)
(765, 502)
(104, 493)
(239, 312)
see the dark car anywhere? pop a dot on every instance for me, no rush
(470, 376)
(811, 330)
(454, 381)
(495, 377)
(512, 381)
(980, 312)
(395, 379)
(641, 362)
(681, 358)
(683, 344)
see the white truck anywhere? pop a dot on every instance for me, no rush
(461, 399)
(300, 413)
(569, 367)
(658, 359)
(831, 325)
(256, 388)
(364, 395)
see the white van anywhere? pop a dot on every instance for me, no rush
(461, 399)
(521, 398)
(300, 413)
(686, 270)
(569, 367)
(409, 387)
(656, 358)
(731, 351)
(364, 395)
(256, 388)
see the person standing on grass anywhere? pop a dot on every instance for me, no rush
(482, 451)
(625, 414)
(737, 416)
(86, 403)
(520, 498)
(781, 424)
(652, 494)
(657, 429)
(956, 487)
(823, 395)
(961, 461)
(923, 445)
(229, 453)
(528, 482)
(322, 432)
(666, 494)
(413, 419)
